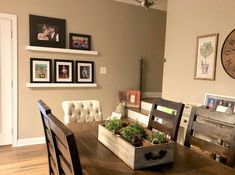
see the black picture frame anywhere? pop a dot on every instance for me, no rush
(79, 41)
(63, 71)
(84, 71)
(47, 32)
(40, 70)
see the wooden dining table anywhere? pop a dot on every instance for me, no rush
(96, 159)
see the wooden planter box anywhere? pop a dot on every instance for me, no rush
(137, 157)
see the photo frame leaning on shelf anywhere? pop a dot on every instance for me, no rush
(220, 103)
(47, 31)
(63, 71)
(133, 98)
(40, 70)
(79, 41)
(84, 71)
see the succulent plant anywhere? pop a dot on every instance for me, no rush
(113, 125)
(133, 133)
(157, 138)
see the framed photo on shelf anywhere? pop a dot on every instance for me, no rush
(47, 32)
(133, 98)
(206, 54)
(79, 41)
(84, 71)
(63, 71)
(40, 70)
(220, 103)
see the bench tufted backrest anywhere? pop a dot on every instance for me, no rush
(82, 111)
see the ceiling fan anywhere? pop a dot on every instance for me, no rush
(147, 3)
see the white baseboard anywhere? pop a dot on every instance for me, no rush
(151, 94)
(30, 141)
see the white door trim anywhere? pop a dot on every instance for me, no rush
(14, 78)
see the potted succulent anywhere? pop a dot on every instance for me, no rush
(138, 147)
(114, 125)
(205, 51)
(133, 133)
(157, 138)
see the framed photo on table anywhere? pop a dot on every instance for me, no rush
(84, 71)
(47, 32)
(40, 70)
(79, 41)
(63, 71)
(133, 98)
(206, 54)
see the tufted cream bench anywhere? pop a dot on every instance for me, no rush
(81, 111)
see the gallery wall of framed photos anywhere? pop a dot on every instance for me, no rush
(49, 34)
(44, 70)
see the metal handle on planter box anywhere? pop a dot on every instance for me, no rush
(150, 156)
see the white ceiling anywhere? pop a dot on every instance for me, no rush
(161, 5)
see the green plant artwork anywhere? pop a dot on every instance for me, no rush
(206, 50)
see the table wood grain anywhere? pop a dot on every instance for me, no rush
(96, 159)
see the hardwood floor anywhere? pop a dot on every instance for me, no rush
(28, 160)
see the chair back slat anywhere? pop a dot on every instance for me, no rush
(217, 149)
(163, 115)
(211, 130)
(161, 128)
(63, 149)
(65, 166)
(199, 128)
(169, 111)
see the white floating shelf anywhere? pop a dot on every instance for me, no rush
(61, 85)
(59, 50)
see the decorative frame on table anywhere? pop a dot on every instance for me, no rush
(47, 32)
(133, 98)
(79, 41)
(84, 71)
(220, 103)
(206, 55)
(63, 71)
(40, 70)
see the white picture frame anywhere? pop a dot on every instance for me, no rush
(220, 103)
(206, 54)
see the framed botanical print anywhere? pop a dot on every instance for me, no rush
(206, 54)
(47, 32)
(84, 71)
(63, 71)
(40, 70)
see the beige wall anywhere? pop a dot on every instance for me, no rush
(121, 33)
(187, 19)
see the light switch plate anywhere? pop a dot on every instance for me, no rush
(103, 70)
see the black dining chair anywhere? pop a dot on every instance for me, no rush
(165, 117)
(63, 155)
(198, 127)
